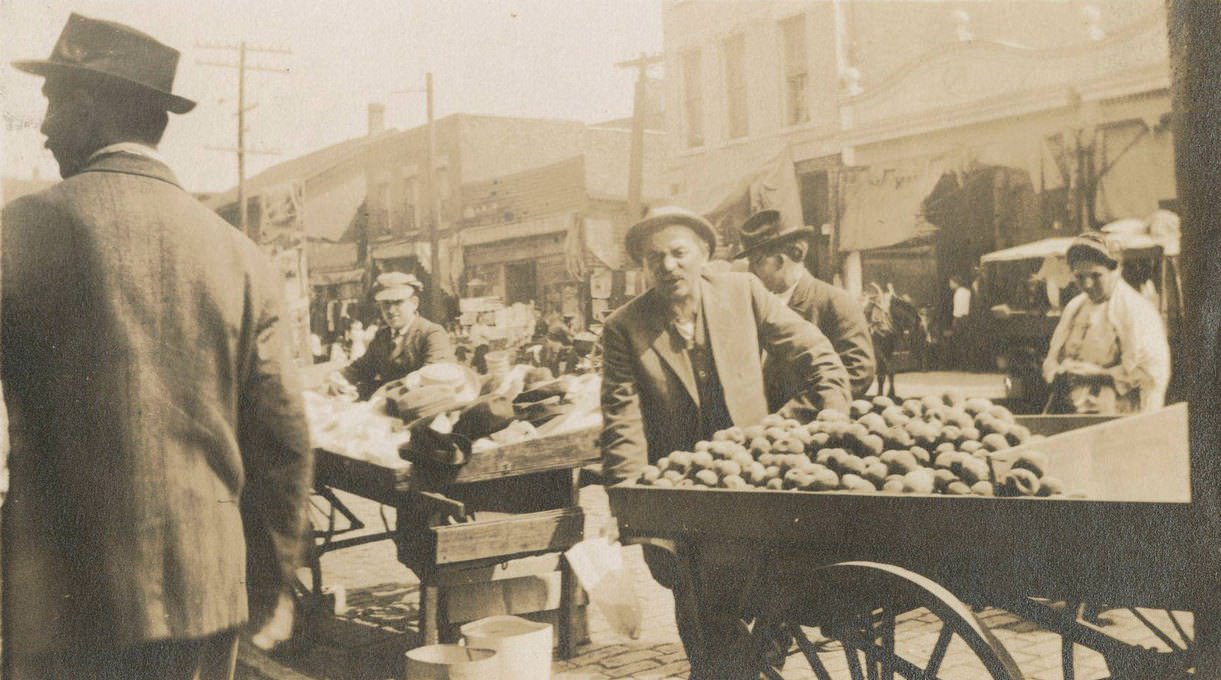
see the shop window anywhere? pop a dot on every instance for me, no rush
(410, 205)
(796, 70)
(379, 214)
(733, 51)
(693, 97)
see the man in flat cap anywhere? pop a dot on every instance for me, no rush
(407, 343)
(776, 253)
(682, 361)
(160, 461)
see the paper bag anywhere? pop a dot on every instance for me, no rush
(598, 565)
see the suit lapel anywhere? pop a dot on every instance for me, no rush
(663, 343)
(803, 291)
(721, 329)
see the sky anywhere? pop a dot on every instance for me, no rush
(534, 58)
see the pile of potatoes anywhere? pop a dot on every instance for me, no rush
(935, 445)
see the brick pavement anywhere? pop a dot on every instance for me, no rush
(368, 641)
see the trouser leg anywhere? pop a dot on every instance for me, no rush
(708, 608)
(210, 658)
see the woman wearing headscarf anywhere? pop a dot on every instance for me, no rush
(1109, 353)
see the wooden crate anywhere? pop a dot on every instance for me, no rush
(557, 452)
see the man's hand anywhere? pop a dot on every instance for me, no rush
(338, 386)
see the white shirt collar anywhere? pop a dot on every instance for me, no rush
(134, 148)
(787, 295)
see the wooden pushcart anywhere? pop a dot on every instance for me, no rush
(854, 564)
(507, 503)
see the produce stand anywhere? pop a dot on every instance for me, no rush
(506, 503)
(853, 563)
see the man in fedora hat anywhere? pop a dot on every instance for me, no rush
(407, 343)
(160, 462)
(682, 361)
(776, 253)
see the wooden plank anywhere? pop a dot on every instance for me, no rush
(501, 570)
(1119, 553)
(1143, 457)
(557, 452)
(549, 531)
(1049, 425)
(365, 479)
(384, 484)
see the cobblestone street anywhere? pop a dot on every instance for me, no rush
(367, 642)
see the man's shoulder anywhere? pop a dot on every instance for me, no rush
(423, 327)
(39, 202)
(731, 280)
(632, 312)
(820, 291)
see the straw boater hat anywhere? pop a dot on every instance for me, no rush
(396, 286)
(765, 229)
(667, 216)
(108, 51)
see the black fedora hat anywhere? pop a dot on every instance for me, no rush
(109, 50)
(765, 228)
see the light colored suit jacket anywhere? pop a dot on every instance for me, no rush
(842, 320)
(650, 402)
(157, 419)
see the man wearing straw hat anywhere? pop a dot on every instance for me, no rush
(161, 463)
(682, 361)
(406, 344)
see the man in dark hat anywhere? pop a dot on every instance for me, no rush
(776, 253)
(406, 344)
(160, 462)
(682, 361)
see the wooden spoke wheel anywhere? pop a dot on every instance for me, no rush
(880, 622)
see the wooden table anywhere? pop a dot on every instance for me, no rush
(505, 504)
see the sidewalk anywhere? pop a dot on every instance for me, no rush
(368, 641)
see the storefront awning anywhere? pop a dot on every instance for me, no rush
(884, 206)
(394, 250)
(334, 278)
(525, 228)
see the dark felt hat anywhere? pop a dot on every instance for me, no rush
(112, 51)
(765, 229)
(1093, 245)
(666, 216)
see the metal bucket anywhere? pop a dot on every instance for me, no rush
(452, 662)
(522, 646)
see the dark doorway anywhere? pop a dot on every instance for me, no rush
(521, 282)
(816, 209)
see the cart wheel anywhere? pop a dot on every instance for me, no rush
(878, 615)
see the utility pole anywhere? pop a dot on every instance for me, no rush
(436, 305)
(434, 200)
(635, 177)
(241, 150)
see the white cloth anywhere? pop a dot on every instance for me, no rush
(962, 302)
(134, 148)
(1145, 353)
(787, 295)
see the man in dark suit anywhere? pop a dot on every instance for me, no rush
(776, 253)
(158, 434)
(682, 361)
(407, 343)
